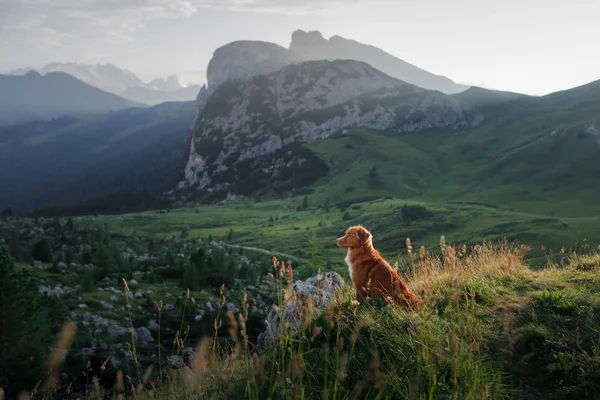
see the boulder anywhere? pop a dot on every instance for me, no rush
(321, 288)
(144, 336)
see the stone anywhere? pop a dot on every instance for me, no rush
(153, 325)
(232, 308)
(144, 336)
(82, 305)
(138, 295)
(199, 316)
(321, 288)
(116, 330)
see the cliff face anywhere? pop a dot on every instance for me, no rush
(245, 59)
(313, 46)
(249, 120)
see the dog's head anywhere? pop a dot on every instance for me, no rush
(356, 236)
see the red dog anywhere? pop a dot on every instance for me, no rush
(371, 275)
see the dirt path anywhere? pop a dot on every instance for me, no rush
(271, 253)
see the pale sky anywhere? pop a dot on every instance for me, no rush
(527, 46)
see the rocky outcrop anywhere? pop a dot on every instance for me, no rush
(319, 290)
(246, 120)
(245, 59)
(313, 46)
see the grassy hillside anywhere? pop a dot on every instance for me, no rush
(491, 328)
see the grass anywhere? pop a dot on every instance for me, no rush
(277, 225)
(491, 328)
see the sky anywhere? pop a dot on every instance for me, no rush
(528, 46)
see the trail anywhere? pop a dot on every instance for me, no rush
(265, 251)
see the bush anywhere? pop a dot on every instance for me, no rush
(41, 251)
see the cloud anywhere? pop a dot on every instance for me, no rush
(93, 29)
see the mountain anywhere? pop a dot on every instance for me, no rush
(152, 97)
(192, 77)
(313, 46)
(123, 83)
(74, 160)
(34, 96)
(170, 84)
(245, 59)
(103, 76)
(250, 131)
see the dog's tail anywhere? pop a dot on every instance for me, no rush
(406, 297)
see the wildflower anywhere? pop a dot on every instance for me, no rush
(160, 306)
(125, 285)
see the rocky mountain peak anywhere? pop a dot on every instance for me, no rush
(250, 130)
(245, 59)
(313, 46)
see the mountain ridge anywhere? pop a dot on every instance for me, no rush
(33, 96)
(313, 46)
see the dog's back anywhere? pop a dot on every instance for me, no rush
(387, 284)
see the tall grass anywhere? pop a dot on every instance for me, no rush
(358, 351)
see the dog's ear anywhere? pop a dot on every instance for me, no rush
(364, 235)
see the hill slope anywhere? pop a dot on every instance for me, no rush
(313, 46)
(33, 96)
(72, 160)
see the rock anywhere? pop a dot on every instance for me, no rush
(321, 288)
(199, 316)
(209, 306)
(144, 336)
(114, 299)
(232, 308)
(62, 265)
(169, 307)
(189, 353)
(132, 282)
(153, 325)
(106, 305)
(115, 363)
(82, 305)
(116, 330)
(138, 295)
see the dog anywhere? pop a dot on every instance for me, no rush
(371, 275)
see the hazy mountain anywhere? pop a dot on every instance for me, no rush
(192, 77)
(103, 76)
(72, 160)
(152, 97)
(34, 96)
(245, 59)
(313, 46)
(170, 84)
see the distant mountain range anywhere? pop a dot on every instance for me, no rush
(103, 76)
(33, 96)
(313, 46)
(126, 84)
